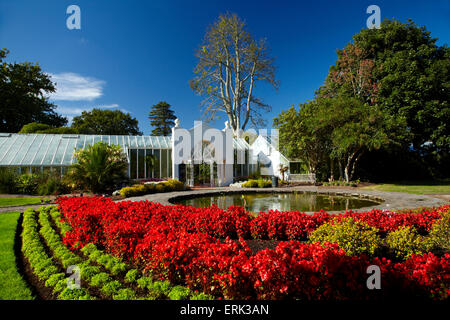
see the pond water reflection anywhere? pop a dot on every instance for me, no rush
(256, 202)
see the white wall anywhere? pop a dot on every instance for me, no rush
(263, 148)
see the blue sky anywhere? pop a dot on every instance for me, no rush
(132, 54)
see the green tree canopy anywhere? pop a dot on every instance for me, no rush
(300, 136)
(106, 122)
(35, 127)
(338, 129)
(22, 96)
(405, 72)
(162, 119)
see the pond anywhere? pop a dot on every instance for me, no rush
(256, 202)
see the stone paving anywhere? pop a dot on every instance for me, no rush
(21, 208)
(388, 200)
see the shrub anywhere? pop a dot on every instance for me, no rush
(149, 188)
(144, 282)
(53, 280)
(88, 271)
(110, 288)
(201, 296)
(100, 279)
(250, 184)
(260, 183)
(439, 237)
(128, 192)
(132, 276)
(175, 185)
(69, 294)
(99, 167)
(52, 185)
(264, 183)
(8, 180)
(125, 294)
(353, 236)
(179, 293)
(404, 242)
(27, 183)
(161, 187)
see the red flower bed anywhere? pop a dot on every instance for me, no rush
(194, 246)
(292, 225)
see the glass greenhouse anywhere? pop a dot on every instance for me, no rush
(39, 152)
(55, 152)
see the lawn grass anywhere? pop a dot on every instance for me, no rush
(8, 202)
(12, 285)
(413, 187)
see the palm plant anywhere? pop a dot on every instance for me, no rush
(99, 167)
(152, 161)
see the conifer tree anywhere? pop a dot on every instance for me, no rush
(162, 119)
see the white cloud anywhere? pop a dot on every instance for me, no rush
(71, 112)
(74, 87)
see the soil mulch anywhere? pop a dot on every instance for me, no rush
(257, 245)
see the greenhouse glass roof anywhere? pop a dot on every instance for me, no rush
(58, 149)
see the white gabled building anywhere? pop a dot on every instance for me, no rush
(269, 157)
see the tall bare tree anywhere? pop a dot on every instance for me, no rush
(230, 64)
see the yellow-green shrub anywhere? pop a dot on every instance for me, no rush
(143, 189)
(161, 187)
(128, 192)
(439, 237)
(264, 183)
(260, 183)
(140, 188)
(175, 185)
(404, 242)
(150, 188)
(353, 236)
(250, 184)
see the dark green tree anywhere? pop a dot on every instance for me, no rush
(162, 119)
(406, 73)
(107, 122)
(22, 96)
(339, 129)
(300, 136)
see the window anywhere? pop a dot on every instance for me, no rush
(156, 169)
(141, 163)
(296, 168)
(133, 163)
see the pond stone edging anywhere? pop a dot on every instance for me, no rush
(389, 200)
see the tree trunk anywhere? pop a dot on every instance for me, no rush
(350, 165)
(354, 164)
(331, 169)
(346, 174)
